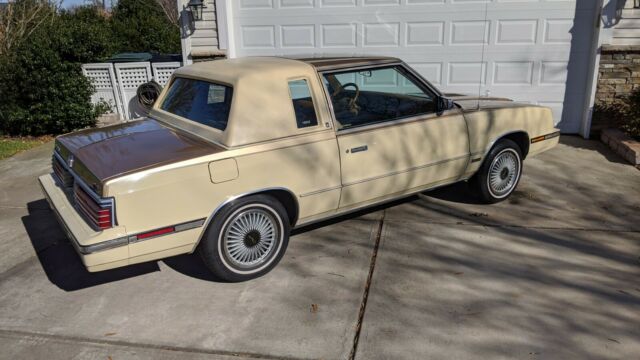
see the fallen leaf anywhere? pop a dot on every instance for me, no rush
(479, 214)
(110, 334)
(314, 308)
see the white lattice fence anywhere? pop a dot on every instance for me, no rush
(103, 79)
(130, 76)
(117, 83)
(163, 71)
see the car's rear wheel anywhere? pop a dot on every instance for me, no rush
(246, 239)
(499, 174)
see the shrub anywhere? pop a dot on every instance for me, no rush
(86, 35)
(141, 25)
(631, 122)
(623, 114)
(42, 87)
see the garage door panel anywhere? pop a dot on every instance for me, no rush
(531, 51)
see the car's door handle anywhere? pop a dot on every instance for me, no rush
(359, 149)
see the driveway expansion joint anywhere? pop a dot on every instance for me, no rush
(365, 294)
(77, 339)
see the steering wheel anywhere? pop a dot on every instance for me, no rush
(353, 106)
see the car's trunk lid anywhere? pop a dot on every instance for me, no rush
(126, 148)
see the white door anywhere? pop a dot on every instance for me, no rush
(535, 51)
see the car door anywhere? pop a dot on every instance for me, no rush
(391, 139)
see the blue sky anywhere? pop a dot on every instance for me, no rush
(71, 3)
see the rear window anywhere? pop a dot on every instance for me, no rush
(200, 101)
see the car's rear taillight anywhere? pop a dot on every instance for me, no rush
(98, 212)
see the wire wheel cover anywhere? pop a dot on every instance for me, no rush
(504, 173)
(250, 238)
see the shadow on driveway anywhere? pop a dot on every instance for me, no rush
(59, 259)
(64, 268)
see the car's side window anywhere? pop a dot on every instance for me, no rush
(364, 97)
(302, 103)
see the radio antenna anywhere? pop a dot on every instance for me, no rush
(484, 41)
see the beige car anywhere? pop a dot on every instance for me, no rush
(236, 153)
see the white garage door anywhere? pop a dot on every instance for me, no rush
(528, 50)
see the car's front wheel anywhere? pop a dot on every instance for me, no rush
(500, 173)
(246, 239)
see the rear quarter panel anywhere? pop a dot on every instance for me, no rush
(186, 191)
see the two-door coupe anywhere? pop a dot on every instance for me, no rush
(237, 152)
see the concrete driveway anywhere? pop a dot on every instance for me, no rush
(552, 273)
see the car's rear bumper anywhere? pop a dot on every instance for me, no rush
(98, 250)
(112, 248)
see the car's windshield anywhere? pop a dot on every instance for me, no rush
(200, 101)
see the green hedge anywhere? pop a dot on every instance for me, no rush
(42, 89)
(141, 26)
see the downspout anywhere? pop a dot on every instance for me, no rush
(226, 36)
(594, 67)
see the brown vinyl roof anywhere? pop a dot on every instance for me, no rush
(338, 62)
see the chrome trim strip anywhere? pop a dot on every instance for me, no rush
(406, 170)
(320, 191)
(107, 201)
(176, 229)
(236, 197)
(102, 246)
(189, 225)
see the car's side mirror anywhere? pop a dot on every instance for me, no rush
(444, 104)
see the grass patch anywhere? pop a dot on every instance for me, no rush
(10, 146)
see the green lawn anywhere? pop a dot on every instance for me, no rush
(12, 146)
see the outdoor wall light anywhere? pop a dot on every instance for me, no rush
(195, 8)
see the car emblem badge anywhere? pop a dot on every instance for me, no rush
(70, 161)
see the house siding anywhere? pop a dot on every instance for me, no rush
(627, 31)
(200, 39)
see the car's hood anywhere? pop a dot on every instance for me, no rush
(471, 102)
(125, 148)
